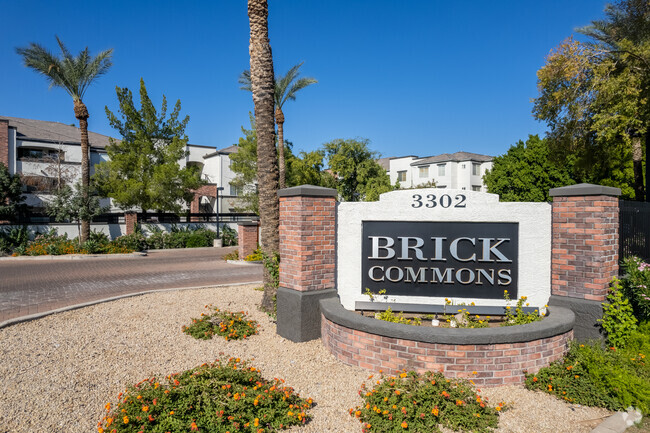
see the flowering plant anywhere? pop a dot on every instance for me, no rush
(423, 403)
(231, 326)
(216, 398)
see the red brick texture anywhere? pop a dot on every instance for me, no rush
(307, 242)
(247, 237)
(585, 246)
(4, 142)
(130, 220)
(494, 364)
(203, 191)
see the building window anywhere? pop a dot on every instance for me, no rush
(401, 176)
(236, 190)
(476, 187)
(40, 155)
(424, 171)
(476, 169)
(441, 169)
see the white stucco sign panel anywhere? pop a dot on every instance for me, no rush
(421, 246)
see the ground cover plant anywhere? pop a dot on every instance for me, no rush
(614, 375)
(424, 403)
(594, 375)
(225, 396)
(255, 256)
(231, 326)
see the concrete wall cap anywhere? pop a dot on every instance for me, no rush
(584, 189)
(559, 321)
(308, 191)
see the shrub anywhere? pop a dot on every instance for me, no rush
(233, 255)
(224, 396)
(636, 286)
(229, 236)
(53, 244)
(423, 403)
(231, 326)
(134, 242)
(613, 378)
(618, 316)
(13, 239)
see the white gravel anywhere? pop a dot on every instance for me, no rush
(58, 372)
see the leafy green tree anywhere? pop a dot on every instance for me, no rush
(143, 170)
(286, 88)
(526, 172)
(358, 175)
(75, 204)
(10, 193)
(306, 169)
(594, 97)
(74, 74)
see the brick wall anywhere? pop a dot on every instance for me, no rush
(494, 364)
(4, 142)
(585, 246)
(247, 238)
(130, 220)
(307, 242)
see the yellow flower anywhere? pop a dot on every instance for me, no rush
(125, 419)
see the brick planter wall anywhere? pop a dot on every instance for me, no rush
(247, 238)
(499, 356)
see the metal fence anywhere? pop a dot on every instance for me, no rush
(145, 218)
(634, 229)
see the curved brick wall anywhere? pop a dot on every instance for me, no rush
(391, 347)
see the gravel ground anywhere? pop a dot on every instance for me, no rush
(58, 372)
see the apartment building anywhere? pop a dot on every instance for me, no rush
(48, 154)
(460, 170)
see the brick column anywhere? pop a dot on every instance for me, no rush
(585, 251)
(130, 220)
(307, 259)
(247, 237)
(4, 142)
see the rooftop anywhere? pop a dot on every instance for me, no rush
(53, 132)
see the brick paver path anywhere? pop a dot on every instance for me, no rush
(37, 286)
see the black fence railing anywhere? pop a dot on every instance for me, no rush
(144, 218)
(634, 229)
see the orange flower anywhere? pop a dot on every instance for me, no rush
(434, 411)
(108, 406)
(397, 392)
(256, 422)
(145, 408)
(498, 408)
(125, 419)
(535, 379)
(404, 424)
(193, 426)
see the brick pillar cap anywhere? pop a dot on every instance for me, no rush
(584, 189)
(248, 223)
(308, 191)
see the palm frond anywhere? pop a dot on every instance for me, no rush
(74, 74)
(245, 80)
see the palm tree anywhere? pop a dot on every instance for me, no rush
(262, 86)
(74, 74)
(286, 88)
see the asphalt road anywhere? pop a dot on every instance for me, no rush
(36, 286)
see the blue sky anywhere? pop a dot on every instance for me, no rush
(418, 77)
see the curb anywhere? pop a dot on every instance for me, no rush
(77, 256)
(35, 316)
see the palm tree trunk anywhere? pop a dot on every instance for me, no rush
(279, 120)
(637, 164)
(263, 86)
(81, 113)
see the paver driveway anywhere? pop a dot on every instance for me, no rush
(37, 286)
